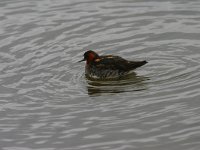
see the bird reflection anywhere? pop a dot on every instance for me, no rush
(129, 83)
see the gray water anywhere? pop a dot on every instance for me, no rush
(46, 103)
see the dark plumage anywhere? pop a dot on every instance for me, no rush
(108, 66)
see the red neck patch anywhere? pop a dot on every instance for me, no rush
(90, 58)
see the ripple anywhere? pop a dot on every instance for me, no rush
(46, 102)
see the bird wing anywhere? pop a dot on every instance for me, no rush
(117, 63)
(112, 62)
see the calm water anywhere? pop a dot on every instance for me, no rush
(46, 103)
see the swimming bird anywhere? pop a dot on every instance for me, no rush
(108, 66)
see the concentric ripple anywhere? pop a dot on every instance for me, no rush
(47, 103)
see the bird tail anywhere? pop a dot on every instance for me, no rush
(136, 64)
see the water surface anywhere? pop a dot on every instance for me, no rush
(46, 103)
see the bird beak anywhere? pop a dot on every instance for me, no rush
(82, 60)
